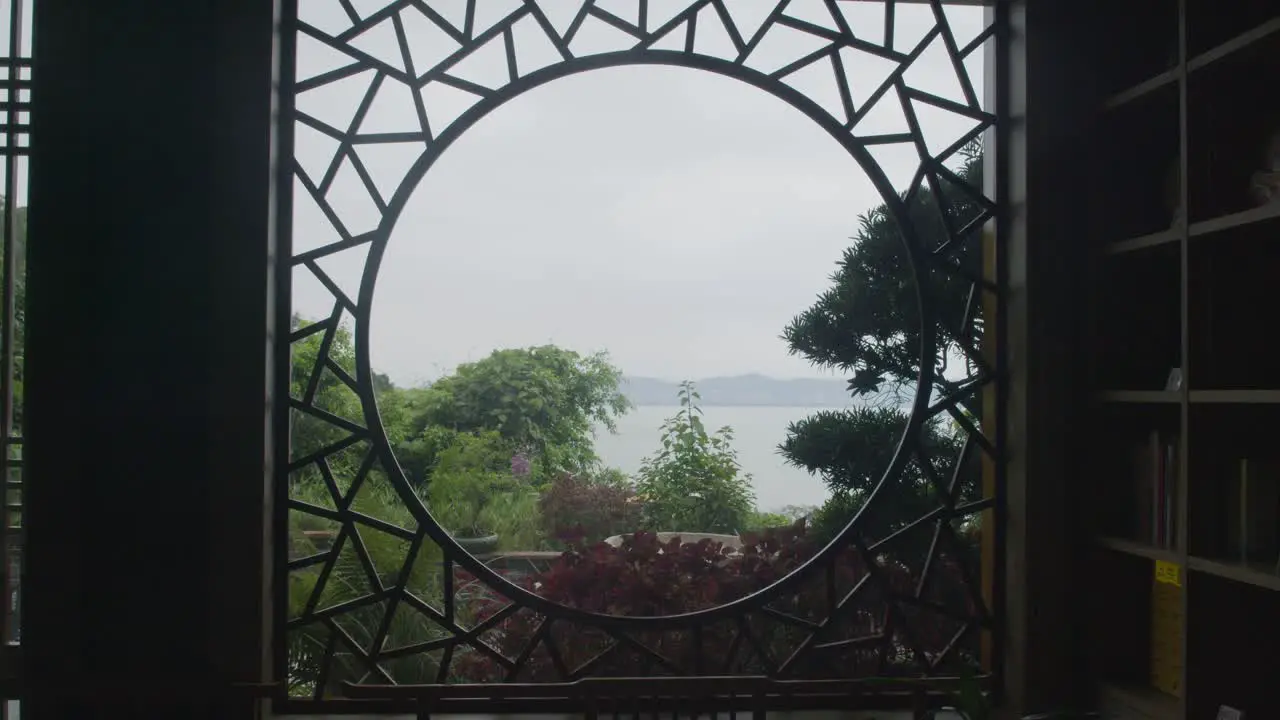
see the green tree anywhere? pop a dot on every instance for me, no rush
(545, 400)
(403, 412)
(694, 483)
(868, 325)
(851, 449)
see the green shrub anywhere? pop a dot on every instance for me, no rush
(460, 499)
(610, 477)
(829, 519)
(761, 520)
(694, 483)
(514, 516)
(473, 493)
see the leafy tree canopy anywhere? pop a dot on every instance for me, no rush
(545, 400)
(868, 322)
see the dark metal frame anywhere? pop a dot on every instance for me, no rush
(935, 395)
(998, 160)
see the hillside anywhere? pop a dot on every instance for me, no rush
(741, 390)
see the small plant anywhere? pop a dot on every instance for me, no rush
(694, 482)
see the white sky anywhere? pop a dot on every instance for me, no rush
(676, 218)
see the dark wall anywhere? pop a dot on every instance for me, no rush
(147, 349)
(1048, 92)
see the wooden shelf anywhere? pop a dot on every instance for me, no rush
(1123, 702)
(1236, 397)
(1234, 45)
(1256, 574)
(1155, 83)
(1154, 397)
(1222, 397)
(1142, 89)
(1243, 218)
(1172, 235)
(1185, 143)
(1137, 549)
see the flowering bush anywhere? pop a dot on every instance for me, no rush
(520, 465)
(644, 576)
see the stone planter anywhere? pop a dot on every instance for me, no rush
(322, 539)
(732, 543)
(486, 545)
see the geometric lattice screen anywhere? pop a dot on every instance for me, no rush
(387, 597)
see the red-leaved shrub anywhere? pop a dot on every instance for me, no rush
(646, 577)
(587, 511)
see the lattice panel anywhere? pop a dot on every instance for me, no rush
(441, 616)
(15, 144)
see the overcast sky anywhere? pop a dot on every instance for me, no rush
(675, 218)
(24, 95)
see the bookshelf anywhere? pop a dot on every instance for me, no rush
(1183, 478)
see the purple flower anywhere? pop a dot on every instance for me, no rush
(519, 465)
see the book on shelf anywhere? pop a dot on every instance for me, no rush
(1156, 488)
(1253, 513)
(1166, 628)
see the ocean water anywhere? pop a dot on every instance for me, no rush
(757, 433)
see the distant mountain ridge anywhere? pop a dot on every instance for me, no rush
(743, 390)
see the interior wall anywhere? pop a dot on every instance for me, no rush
(1046, 92)
(145, 585)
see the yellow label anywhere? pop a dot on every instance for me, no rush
(1167, 572)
